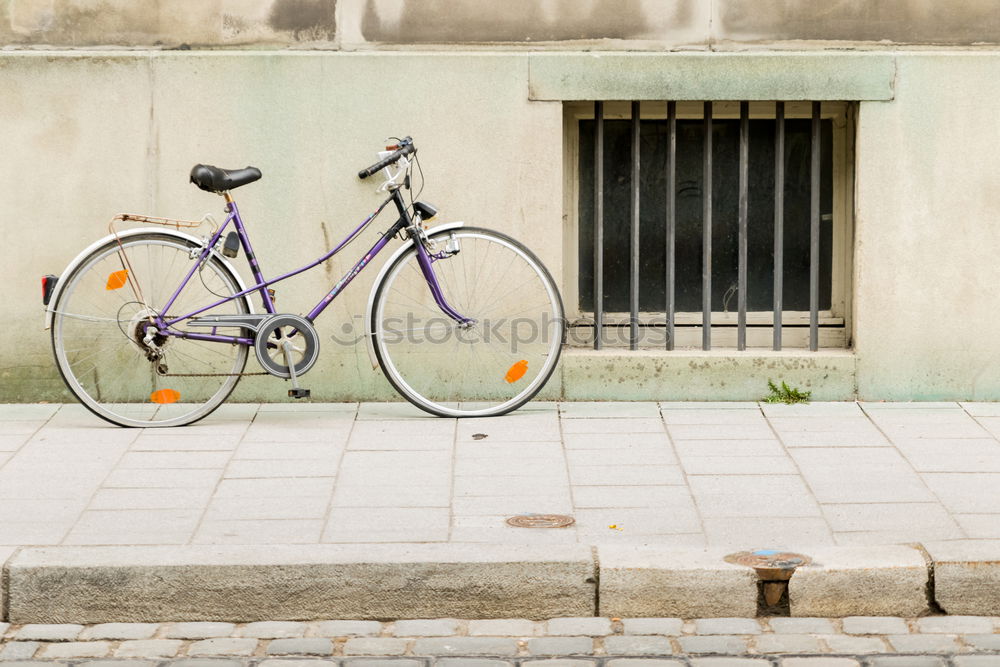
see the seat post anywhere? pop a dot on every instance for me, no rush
(228, 197)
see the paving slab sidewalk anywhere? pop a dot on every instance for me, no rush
(737, 475)
(657, 477)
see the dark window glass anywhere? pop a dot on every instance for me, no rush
(725, 214)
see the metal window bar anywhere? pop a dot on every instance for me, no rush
(633, 342)
(671, 220)
(743, 230)
(741, 330)
(779, 219)
(814, 232)
(706, 256)
(598, 223)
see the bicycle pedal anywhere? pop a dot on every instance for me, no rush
(298, 393)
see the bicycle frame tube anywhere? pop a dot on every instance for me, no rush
(350, 275)
(261, 285)
(234, 217)
(201, 260)
(251, 258)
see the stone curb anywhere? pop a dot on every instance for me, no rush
(252, 583)
(6, 555)
(861, 581)
(639, 582)
(966, 576)
(379, 581)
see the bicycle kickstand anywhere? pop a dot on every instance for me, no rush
(295, 391)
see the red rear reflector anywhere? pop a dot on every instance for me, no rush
(48, 285)
(165, 396)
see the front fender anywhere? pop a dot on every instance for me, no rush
(369, 334)
(124, 235)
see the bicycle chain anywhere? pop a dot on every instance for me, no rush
(206, 375)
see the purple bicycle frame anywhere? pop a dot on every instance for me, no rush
(424, 259)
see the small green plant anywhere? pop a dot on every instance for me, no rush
(786, 394)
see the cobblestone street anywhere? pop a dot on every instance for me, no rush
(935, 641)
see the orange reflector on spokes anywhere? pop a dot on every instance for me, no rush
(165, 396)
(517, 371)
(116, 280)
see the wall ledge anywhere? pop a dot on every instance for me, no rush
(695, 375)
(712, 76)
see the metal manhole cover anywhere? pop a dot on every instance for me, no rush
(541, 521)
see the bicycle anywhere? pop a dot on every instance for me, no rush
(153, 327)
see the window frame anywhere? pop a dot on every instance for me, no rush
(835, 323)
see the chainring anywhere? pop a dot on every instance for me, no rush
(271, 337)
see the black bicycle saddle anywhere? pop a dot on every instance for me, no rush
(214, 179)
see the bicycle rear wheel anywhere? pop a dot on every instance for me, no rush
(98, 332)
(492, 367)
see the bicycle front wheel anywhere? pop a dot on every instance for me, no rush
(494, 364)
(100, 330)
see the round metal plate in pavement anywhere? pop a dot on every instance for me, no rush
(541, 521)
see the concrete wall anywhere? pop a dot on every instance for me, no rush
(365, 24)
(89, 135)
(927, 315)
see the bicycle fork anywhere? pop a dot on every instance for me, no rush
(426, 260)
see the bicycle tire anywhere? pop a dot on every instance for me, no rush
(101, 357)
(461, 381)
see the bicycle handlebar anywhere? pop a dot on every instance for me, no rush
(406, 147)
